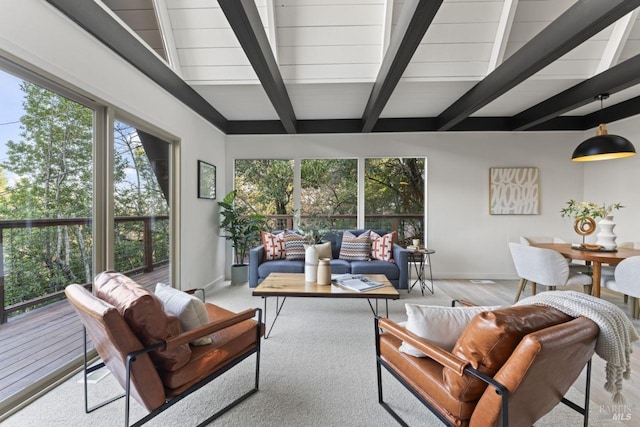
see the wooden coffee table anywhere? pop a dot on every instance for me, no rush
(293, 285)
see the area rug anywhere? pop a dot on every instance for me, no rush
(317, 369)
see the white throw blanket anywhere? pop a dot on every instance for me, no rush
(616, 332)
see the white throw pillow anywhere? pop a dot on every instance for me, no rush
(440, 325)
(324, 249)
(188, 308)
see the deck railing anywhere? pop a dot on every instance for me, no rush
(408, 226)
(147, 246)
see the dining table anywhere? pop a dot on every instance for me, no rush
(596, 257)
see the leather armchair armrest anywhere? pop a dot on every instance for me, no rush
(432, 351)
(212, 327)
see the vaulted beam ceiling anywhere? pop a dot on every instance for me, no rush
(415, 18)
(622, 76)
(249, 30)
(580, 22)
(97, 22)
(570, 29)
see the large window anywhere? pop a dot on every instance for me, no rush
(394, 196)
(327, 196)
(266, 187)
(46, 192)
(46, 237)
(329, 192)
(141, 201)
(52, 235)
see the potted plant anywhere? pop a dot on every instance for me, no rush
(242, 228)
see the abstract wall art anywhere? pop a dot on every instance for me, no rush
(514, 191)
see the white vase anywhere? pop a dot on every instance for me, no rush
(606, 237)
(310, 264)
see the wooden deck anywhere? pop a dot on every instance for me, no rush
(34, 344)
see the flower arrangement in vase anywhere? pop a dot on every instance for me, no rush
(584, 214)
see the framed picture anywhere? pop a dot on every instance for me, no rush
(514, 191)
(206, 180)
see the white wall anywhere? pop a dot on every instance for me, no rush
(469, 242)
(618, 180)
(34, 33)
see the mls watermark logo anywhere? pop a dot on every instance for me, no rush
(617, 412)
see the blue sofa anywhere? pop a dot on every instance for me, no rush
(397, 272)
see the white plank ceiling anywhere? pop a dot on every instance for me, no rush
(329, 54)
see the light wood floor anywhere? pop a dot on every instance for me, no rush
(503, 292)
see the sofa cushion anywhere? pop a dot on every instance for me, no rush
(294, 246)
(387, 268)
(382, 246)
(340, 266)
(355, 248)
(187, 308)
(273, 245)
(145, 315)
(280, 266)
(440, 325)
(490, 339)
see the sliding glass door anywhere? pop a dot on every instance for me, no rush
(55, 216)
(141, 203)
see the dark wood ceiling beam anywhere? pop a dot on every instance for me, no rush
(580, 22)
(613, 80)
(97, 22)
(249, 30)
(619, 111)
(409, 31)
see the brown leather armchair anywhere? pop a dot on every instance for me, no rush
(148, 352)
(508, 368)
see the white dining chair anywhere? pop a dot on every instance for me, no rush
(544, 267)
(626, 280)
(608, 270)
(575, 266)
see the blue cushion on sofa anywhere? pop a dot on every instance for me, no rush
(387, 268)
(340, 266)
(280, 266)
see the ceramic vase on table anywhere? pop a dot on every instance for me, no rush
(311, 264)
(324, 271)
(606, 236)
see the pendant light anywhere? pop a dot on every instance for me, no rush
(603, 146)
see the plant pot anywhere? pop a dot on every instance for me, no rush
(239, 274)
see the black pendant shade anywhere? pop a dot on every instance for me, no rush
(603, 146)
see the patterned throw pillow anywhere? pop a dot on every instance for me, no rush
(273, 246)
(382, 246)
(294, 246)
(355, 248)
